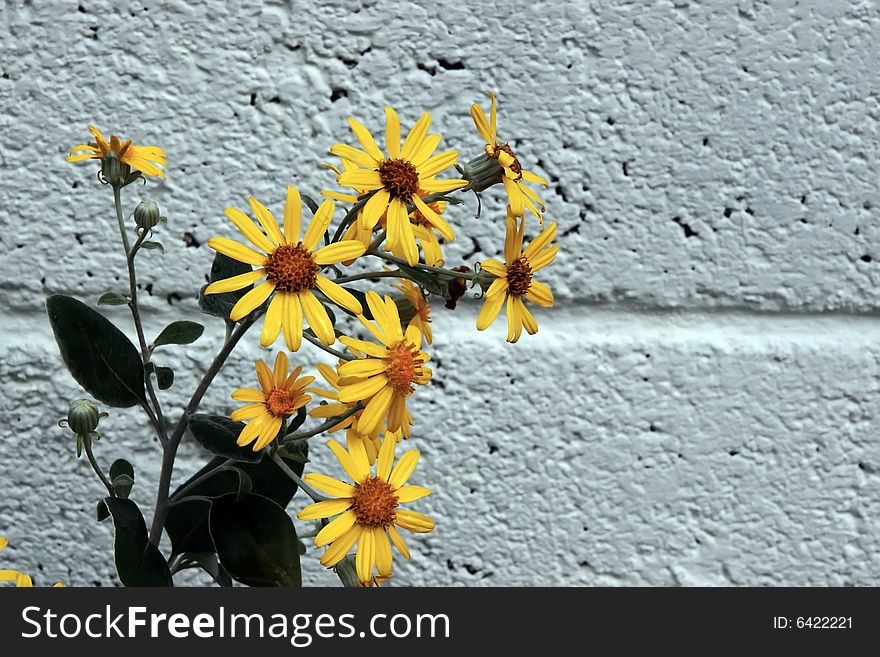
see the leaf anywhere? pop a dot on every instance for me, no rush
(310, 203)
(153, 246)
(422, 278)
(255, 541)
(164, 377)
(360, 296)
(297, 421)
(138, 562)
(122, 477)
(180, 332)
(209, 563)
(112, 299)
(220, 305)
(98, 355)
(217, 434)
(186, 523)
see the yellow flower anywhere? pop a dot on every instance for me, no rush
(397, 179)
(514, 176)
(422, 318)
(142, 158)
(21, 580)
(335, 407)
(387, 375)
(280, 397)
(369, 509)
(290, 267)
(514, 279)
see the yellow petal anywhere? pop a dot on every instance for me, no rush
(528, 319)
(375, 206)
(272, 320)
(366, 140)
(489, 311)
(336, 528)
(249, 395)
(291, 321)
(249, 229)
(252, 300)
(267, 221)
(482, 125)
(234, 283)
(392, 133)
(411, 493)
(426, 150)
(292, 215)
(361, 390)
(339, 252)
(382, 549)
(404, 468)
(324, 509)
(541, 241)
(414, 521)
(329, 485)
(318, 225)
(386, 456)
(416, 136)
(237, 251)
(340, 547)
(279, 373)
(317, 316)
(363, 368)
(248, 412)
(397, 539)
(355, 155)
(357, 474)
(494, 267)
(365, 557)
(435, 219)
(437, 164)
(376, 409)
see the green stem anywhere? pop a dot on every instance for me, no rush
(291, 438)
(435, 270)
(154, 413)
(170, 452)
(87, 445)
(368, 275)
(311, 492)
(321, 345)
(350, 216)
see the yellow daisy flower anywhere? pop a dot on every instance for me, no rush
(335, 407)
(386, 376)
(143, 158)
(514, 279)
(368, 511)
(422, 318)
(290, 267)
(397, 179)
(282, 395)
(514, 176)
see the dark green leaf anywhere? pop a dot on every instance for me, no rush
(99, 356)
(297, 421)
(255, 541)
(122, 477)
(153, 245)
(180, 332)
(186, 523)
(112, 299)
(102, 512)
(209, 563)
(220, 305)
(164, 377)
(138, 562)
(217, 434)
(422, 278)
(310, 203)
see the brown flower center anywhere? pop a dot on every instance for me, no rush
(399, 177)
(519, 277)
(374, 503)
(404, 367)
(515, 166)
(291, 268)
(280, 402)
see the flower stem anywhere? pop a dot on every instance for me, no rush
(87, 445)
(321, 345)
(368, 275)
(428, 268)
(155, 417)
(170, 451)
(291, 438)
(308, 490)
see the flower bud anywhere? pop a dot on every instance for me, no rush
(146, 214)
(456, 288)
(83, 417)
(482, 172)
(113, 171)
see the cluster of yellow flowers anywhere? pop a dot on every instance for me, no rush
(399, 200)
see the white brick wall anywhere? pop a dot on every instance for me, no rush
(700, 408)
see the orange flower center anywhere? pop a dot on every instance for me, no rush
(280, 402)
(399, 177)
(515, 166)
(519, 277)
(291, 268)
(374, 503)
(404, 367)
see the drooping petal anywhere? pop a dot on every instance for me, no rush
(398, 541)
(376, 409)
(382, 549)
(375, 206)
(253, 299)
(317, 316)
(489, 311)
(435, 219)
(291, 321)
(365, 557)
(273, 319)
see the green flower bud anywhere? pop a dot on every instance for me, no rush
(146, 214)
(482, 172)
(83, 417)
(113, 171)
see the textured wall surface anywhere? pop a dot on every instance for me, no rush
(702, 405)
